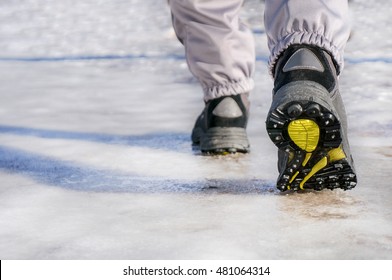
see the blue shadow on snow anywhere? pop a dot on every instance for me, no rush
(163, 141)
(68, 175)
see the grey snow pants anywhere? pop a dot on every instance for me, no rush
(220, 49)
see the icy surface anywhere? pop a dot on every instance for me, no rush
(96, 109)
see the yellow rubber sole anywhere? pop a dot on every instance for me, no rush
(305, 133)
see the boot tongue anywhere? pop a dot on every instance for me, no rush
(303, 59)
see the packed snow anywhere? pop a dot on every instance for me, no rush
(96, 109)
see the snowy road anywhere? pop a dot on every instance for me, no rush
(96, 109)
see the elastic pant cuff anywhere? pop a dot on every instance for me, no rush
(306, 38)
(230, 88)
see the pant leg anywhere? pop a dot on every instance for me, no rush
(219, 48)
(324, 23)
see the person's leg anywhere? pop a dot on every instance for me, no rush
(219, 48)
(323, 23)
(220, 53)
(307, 120)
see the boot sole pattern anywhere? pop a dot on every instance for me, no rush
(311, 136)
(221, 141)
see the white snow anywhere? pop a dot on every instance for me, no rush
(96, 109)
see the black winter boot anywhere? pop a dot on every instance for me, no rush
(221, 127)
(307, 122)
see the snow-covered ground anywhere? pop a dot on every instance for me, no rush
(96, 109)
